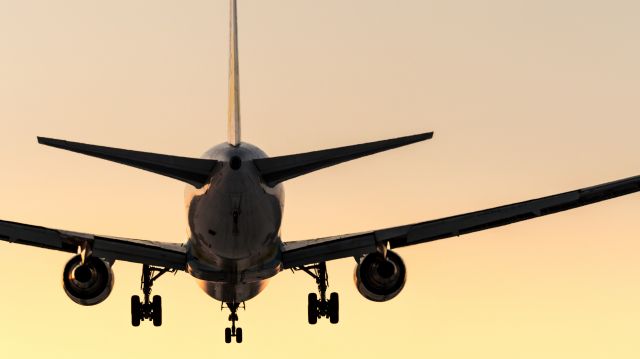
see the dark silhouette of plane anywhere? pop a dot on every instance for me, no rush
(234, 200)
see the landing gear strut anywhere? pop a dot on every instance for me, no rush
(318, 308)
(148, 309)
(233, 318)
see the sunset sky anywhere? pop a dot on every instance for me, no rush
(526, 98)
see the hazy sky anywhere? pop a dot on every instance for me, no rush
(526, 98)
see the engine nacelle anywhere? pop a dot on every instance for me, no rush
(379, 279)
(89, 283)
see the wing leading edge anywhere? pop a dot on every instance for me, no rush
(298, 253)
(167, 255)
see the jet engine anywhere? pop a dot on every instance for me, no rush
(378, 278)
(89, 283)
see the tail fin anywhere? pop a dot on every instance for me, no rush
(233, 124)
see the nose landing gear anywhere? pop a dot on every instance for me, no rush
(233, 318)
(321, 307)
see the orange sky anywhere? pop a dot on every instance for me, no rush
(526, 98)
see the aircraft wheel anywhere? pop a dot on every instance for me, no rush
(239, 335)
(312, 308)
(334, 308)
(227, 335)
(136, 310)
(156, 310)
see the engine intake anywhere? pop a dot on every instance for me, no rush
(379, 279)
(89, 283)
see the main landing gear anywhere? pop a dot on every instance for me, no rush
(318, 308)
(233, 318)
(148, 309)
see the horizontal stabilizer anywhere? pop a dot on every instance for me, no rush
(278, 169)
(194, 171)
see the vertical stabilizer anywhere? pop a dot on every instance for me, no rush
(233, 125)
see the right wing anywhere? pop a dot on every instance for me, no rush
(166, 255)
(299, 253)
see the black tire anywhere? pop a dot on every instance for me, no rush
(156, 310)
(227, 335)
(334, 308)
(238, 335)
(312, 308)
(136, 310)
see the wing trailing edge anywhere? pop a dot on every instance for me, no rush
(278, 169)
(193, 171)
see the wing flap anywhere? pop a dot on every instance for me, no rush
(168, 255)
(137, 251)
(490, 218)
(504, 215)
(35, 236)
(299, 253)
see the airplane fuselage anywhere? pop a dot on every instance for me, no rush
(234, 226)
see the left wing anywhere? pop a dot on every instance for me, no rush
(299, 253)
(167, 255)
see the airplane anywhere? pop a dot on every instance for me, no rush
(234, 199)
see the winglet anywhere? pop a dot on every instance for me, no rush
(233, 124)
(278, 169)
(193, 171)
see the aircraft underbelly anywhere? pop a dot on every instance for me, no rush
(232, 292)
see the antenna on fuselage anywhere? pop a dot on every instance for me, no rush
(233, 124)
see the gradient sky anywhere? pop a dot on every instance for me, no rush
(526, 98)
